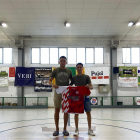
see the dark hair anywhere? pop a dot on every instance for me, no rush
(79, 64)
(62, 57)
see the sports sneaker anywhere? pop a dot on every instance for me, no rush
(76, 132)
(90, 132)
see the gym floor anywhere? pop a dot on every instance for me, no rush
(27, 124)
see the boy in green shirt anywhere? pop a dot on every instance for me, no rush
(83, 80)
(62, 76)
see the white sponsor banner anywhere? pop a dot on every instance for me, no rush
(138, 71)
(98, 75)
(138, 100)
(4, 76)
(128, 82)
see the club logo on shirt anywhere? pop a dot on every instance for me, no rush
(77, 92)
(72, 95)
(74, 98)
(63, 77)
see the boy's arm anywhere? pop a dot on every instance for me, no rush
(72, 82)
(51, 78)
(50, 83)
(70, 75)
(89, 86)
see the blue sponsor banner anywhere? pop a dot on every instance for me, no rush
(138, 71)
(25, 76)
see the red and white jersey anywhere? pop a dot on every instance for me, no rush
(73, 99)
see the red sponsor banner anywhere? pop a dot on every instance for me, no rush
(106, 77)
(93, 77)
(100, 77)
(11, 71)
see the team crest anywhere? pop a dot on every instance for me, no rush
(94, 101)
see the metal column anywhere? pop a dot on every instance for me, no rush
(114, 84)
(68, 119)
(20, 90)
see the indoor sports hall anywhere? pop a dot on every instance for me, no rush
(69, 69)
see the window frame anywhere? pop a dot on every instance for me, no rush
(76, 56)
(131, 55)
(63, 48)
(103, 55)
(50, 56)
(85, 54)
(93, 55)
(39, 55)
(3, 56)
(122, 55)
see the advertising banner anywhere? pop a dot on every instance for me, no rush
(25, 76)
(4, 76)
(138, 76)
(98, 75)
(127, 71)
(128, 82)
(42, 75)
(138, 100)
(11, 74)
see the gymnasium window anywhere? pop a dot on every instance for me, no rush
(131, 55)
(74, 55)
(62, 52)
(45, 55)
(35, 55)
(81, 55)
(71, 55)
(0, 55)
(89, 55)
(135, 55)
(5, 55)
(53, 55)
(98, 55)
(126, 55)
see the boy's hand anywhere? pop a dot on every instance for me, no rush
(55, 86)
(87, 86)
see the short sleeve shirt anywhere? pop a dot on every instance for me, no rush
(81, 80)
(61, 76)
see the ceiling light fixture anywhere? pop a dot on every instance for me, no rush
(67, 24)
(130, 23)
(3, 24)
(137, 24)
